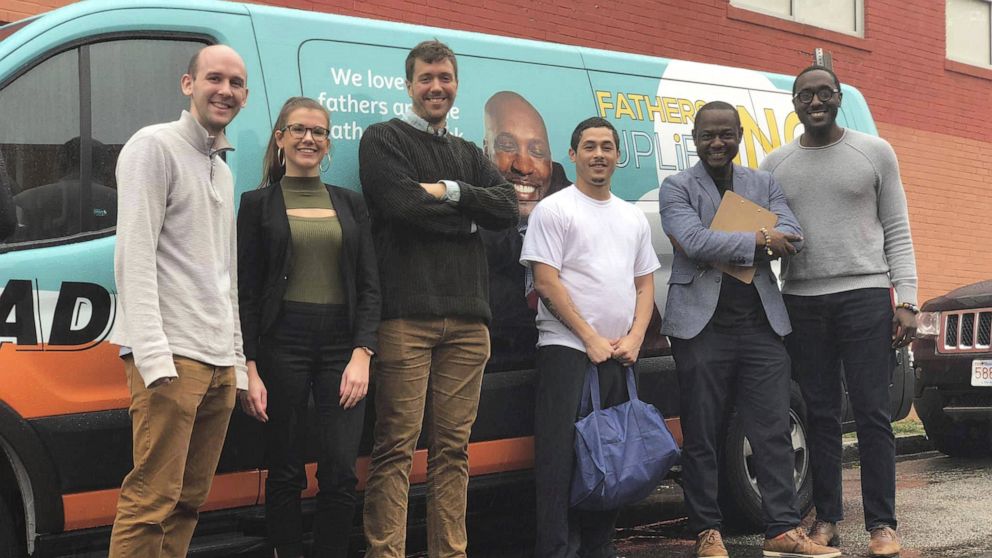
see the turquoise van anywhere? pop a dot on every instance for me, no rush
(76, 82)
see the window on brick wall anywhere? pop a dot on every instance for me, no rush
(969, 31)
(845, 16)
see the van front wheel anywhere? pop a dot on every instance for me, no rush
(740, 501)
(10, 541)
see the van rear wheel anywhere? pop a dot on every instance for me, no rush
(740, 501)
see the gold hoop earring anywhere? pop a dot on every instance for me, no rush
(281, 157)
(327, 157)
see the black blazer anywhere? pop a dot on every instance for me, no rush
(264, 255)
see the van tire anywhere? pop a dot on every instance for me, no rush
(740, 502)
(955, 438)
(10, 539)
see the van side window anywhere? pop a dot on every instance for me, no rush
(41, 117)
(65, 122)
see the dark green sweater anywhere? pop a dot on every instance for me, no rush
(430, 261)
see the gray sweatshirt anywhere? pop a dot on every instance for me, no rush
(849, 199)
(175, 261)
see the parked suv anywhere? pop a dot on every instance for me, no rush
(953, 360)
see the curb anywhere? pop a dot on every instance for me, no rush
(905, 445)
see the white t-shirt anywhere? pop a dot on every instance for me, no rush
(598, 247)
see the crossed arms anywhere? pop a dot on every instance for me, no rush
(389, 182)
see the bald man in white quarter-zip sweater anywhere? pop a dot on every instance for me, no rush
(175, 266)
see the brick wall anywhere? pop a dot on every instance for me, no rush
(13, 10)
(947, 180)
(930, 109)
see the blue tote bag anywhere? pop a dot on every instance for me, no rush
(621, 452)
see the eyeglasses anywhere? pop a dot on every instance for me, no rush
(824, 94)
(299, 131)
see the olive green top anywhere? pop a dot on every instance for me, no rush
(317, 241)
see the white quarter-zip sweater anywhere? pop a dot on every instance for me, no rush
(176, 257)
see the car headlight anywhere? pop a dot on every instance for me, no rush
(928, 324)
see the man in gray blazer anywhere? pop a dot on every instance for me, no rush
(726, 335)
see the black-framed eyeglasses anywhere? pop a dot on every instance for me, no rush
(824, 94)
(299, 131)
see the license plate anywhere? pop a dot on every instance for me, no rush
(981, 373)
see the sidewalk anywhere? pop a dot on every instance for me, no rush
(906, 445)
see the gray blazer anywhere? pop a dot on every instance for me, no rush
(689, 201)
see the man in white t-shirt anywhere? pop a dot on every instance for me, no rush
(592, 260)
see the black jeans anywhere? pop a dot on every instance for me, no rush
(747, 368)
(853, 328)
(561, 531)
(306, 352)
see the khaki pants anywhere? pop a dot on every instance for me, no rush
(178, 432)
(431, 365)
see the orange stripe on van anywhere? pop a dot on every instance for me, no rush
(675, 427)
(233, 490)
(495, 456)
(98, 508)
(41, 383)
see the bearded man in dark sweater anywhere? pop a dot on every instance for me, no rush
(429, 192)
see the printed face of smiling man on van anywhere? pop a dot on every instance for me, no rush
(432, 83)
(517, 142)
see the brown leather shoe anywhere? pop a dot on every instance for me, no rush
(825, 533)
(797, 544)
(709, 544)
(884, 542)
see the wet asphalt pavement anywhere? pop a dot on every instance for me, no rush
(944, 507)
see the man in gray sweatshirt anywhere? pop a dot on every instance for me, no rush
(179, 331)
(845, 189)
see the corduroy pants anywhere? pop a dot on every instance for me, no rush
(178, 432)
(432, 366)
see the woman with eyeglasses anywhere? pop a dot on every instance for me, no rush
(309, 302)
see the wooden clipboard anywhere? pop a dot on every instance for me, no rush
(739, 214)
